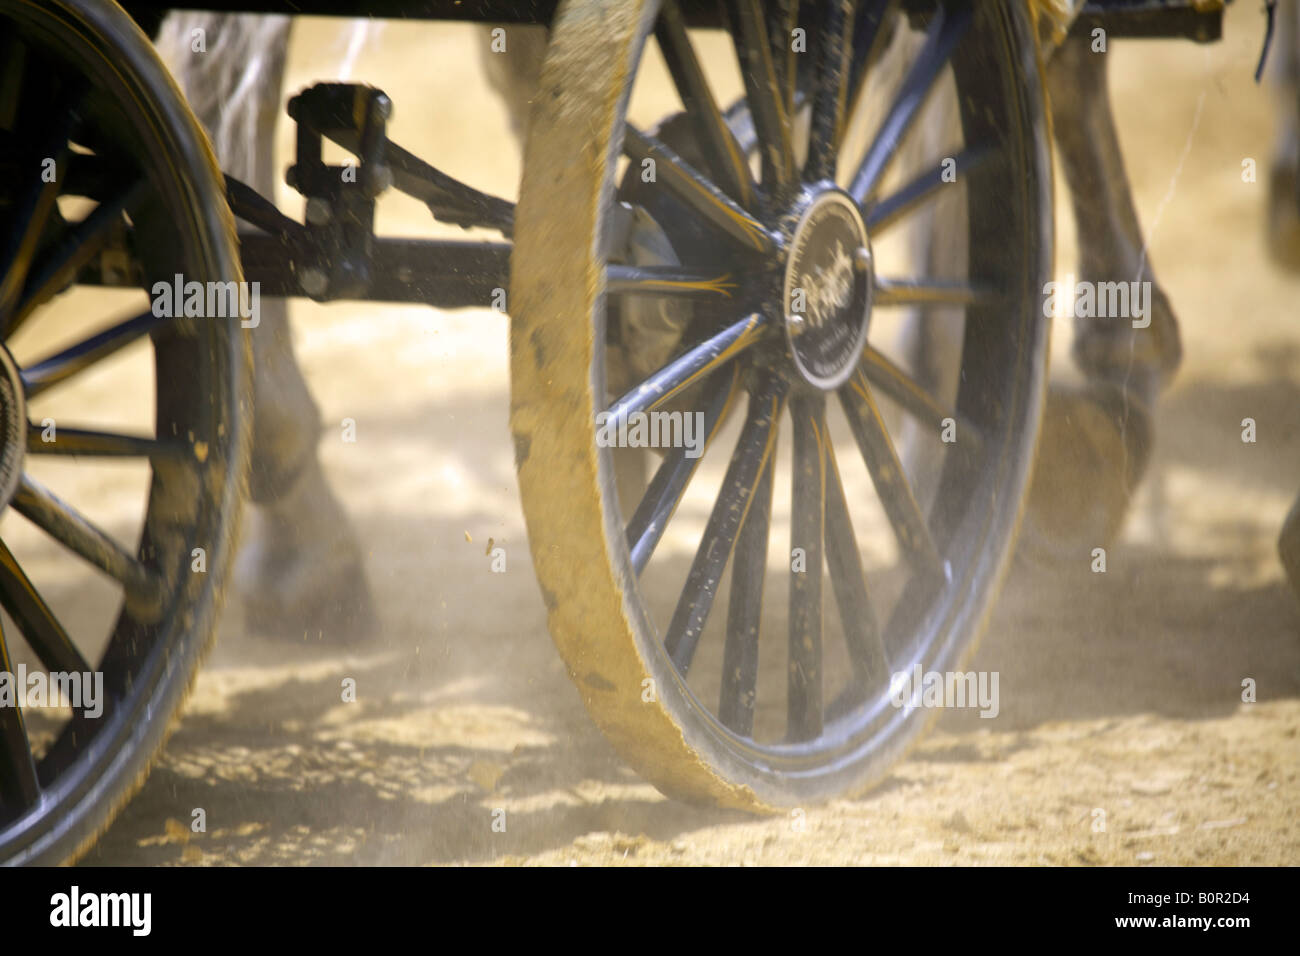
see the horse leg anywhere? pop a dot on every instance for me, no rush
(1096, 441)
(1284, 208)
(514, 72)
(1284, 175)
(304, 572)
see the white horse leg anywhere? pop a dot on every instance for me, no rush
(515, 71)
(305, 571)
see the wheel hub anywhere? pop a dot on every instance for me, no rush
(13, 427)
(827, 293)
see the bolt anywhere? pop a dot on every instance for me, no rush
(314, 282)
(862, 258)
(376, 179)
(318, 211)
(796, 322)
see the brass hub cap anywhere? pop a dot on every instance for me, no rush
(827, 293)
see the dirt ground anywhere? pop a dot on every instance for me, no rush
(1121, 692)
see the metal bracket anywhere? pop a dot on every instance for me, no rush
(340, 199)
(1199, 20)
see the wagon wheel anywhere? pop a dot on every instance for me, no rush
(745, 239)
(135, 199)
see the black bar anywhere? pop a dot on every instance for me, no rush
(1151, 19)
(283, 907)
(446, 274)
(699, 13)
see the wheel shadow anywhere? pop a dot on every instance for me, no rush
(466, 741)
(1193, 601)
(429, 769)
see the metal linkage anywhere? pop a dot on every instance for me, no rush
(340, 199)
(336, 255)
(1199, 20)
(446, 274)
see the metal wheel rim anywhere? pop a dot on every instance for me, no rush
(201, 380)
(832, 758)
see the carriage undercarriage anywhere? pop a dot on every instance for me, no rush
(748, 203)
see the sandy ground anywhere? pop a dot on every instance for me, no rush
(1122, 736)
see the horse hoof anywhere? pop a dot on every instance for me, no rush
(302, 576)
(1284, 215)
(1094, 448)
(1288, 547)
(338, 613)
